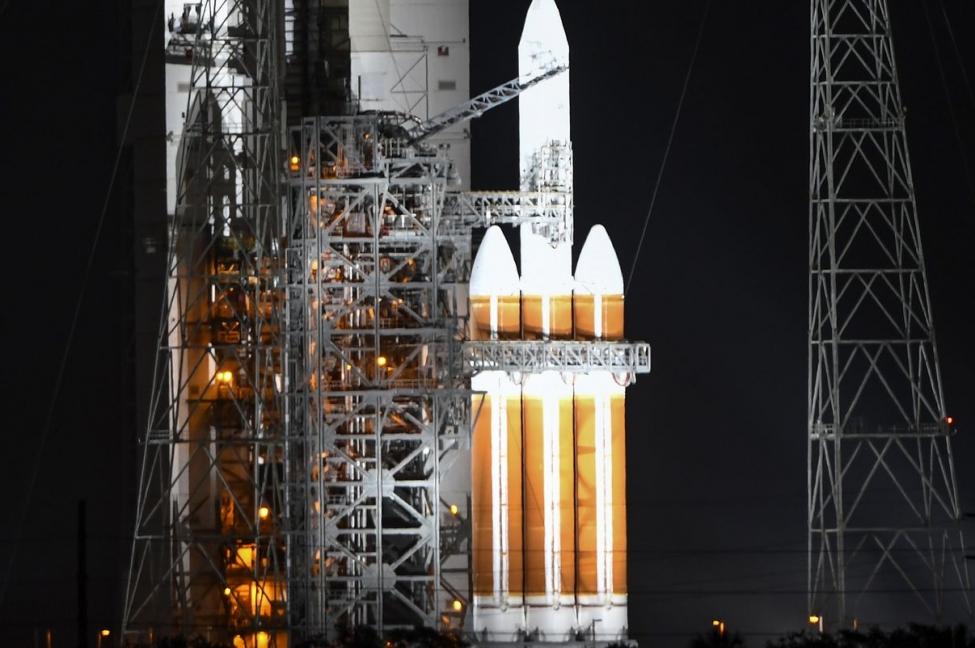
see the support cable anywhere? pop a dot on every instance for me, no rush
(86, 276)
(966, 167)
(961, 61)
(670, 141)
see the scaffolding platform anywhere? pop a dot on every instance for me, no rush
(573, 356)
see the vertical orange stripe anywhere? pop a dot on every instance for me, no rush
(583, 311)
(509, 318)
(613, 317)
(482, 497)
(531, 313)
(560, 319)
(480, 317)
(534, 496)
(618, 406)
(585, 422)
(567, 521)
(516, 576)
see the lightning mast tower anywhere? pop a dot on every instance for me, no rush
(883, 508)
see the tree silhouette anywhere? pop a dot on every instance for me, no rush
(914, 636)
(717, 639)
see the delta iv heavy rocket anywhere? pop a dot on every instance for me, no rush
(548, 449)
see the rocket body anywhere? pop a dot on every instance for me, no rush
(548, 449)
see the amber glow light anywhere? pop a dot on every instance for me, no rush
(457, 605)
(454, 510)
(263, 512)
(381, 361)
(106, 632)
(294, 163)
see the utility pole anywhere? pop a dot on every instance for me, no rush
(82, 577)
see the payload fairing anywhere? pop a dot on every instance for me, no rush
(548, 465)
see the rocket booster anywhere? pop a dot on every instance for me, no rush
(598, 300)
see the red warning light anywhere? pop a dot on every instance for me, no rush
(950, 420)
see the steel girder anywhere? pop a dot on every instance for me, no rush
(549, 212)
(567, 356)
(883, 510)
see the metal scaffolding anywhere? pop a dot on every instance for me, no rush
(208, 553)
(566, 356)
(883, 508)
(379, 406)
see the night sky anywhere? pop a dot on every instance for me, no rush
(716, 434)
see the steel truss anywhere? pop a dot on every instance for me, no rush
(548, 211)
(380, 412)
(567, 356)
(207, 556)
(483, 102)
(883, 508)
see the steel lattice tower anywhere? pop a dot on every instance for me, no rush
(379, 403)
(209, 544)
(883, 509)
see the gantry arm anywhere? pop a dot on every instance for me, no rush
(483, 102)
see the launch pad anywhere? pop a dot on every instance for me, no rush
(312, 457)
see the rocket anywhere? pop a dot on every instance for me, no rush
(548, 449)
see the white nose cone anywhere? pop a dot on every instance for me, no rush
(494, 271)
(543, 110)
(598, 269)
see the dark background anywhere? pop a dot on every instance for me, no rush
(717, 466)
